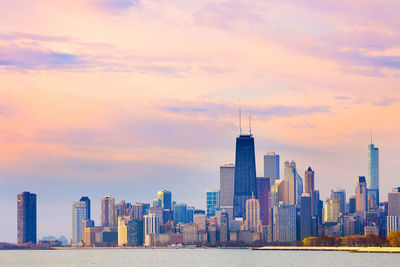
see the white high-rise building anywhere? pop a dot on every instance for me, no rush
(227, 182)
(271, 167)
(151, 224)
(284, 223)
(79, 213)
(392, 223)
(151, 229)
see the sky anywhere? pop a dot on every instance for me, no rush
(129, 97)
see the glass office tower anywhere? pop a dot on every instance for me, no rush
(245, 174)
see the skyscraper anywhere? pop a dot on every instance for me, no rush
(263, 191)
(290, 183)
(151, 228)
(253, 220)
(352, 204)
(392, 224)
(309, 186)
(107, 211)
(189, 214)
(245, 174)
(227, 182)
(361, 194)
(180, 213)
(394, 202)
(284, 226)
(151, 224)
(331, 210)
(130, 231)
(341, 195)
(299, 188)
(139, 210)
(271, 167)
(223, 224)
(87, 201)
(157, 211)
(79, 214)
(212, 202)
(26, 222)
(305, 216)
(373, 171)
(165, 198)
(120, 210)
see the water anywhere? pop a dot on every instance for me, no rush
(193, 257)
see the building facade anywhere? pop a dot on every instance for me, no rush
(26, 218)
(309, 186)
(284, 224)
(130, 231)
(227, 182)
(253, 220)
(394, 202)
(165, 199)
(306, 223)
(87, 201)
(332, 210)
(361, 194)
(271, 167)
(263, 193)
(245, 174)
(79, 214)
(107, 211)
(180, 213)
(341, 195)
(373, 171)
(212, 202)
(392, 224)
(290, 178)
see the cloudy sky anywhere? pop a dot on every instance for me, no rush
(127, 97)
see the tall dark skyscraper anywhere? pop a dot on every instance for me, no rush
(26, 224)
(87, 201)
(305, 216)
(245, 174)
(263, 191)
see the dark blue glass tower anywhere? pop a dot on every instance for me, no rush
(305, 217)
(87, 201)
(26, 224)
(245, 174)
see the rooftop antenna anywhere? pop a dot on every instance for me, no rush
(240, 119)
(250, 122)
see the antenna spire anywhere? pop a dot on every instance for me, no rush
(240, 120)
(250, 122)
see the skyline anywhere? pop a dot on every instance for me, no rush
(129, 98)
(85, 200)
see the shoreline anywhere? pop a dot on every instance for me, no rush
(340, 249)
(266, 248)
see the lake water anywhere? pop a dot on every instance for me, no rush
(193, 257)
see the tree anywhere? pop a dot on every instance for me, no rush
(394, 238)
